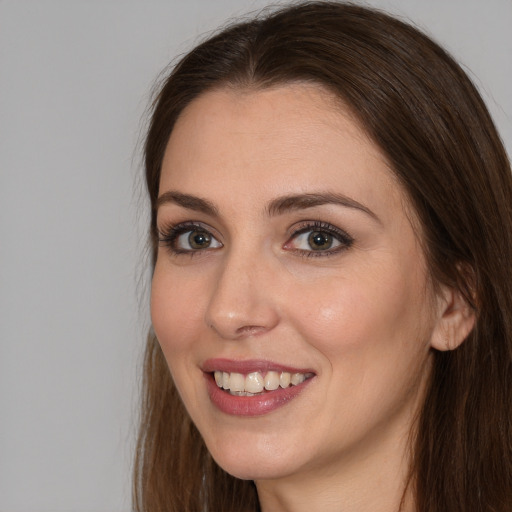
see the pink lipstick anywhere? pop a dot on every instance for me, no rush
(253, 387)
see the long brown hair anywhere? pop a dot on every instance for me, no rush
(421, 109)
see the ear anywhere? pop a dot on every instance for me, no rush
(455, 320)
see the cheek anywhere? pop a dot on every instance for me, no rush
(370, 335)
(363, 311)
(175, 309)
(177, 317)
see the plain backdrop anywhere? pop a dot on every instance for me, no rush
(75, 78)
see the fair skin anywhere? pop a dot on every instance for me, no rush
(336, 286)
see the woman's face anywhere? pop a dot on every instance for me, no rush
(287, 253)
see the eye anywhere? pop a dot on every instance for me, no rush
(188, 238)
(194, 240)
(318, 239)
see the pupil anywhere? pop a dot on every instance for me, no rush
(199, 240)
(318, 240)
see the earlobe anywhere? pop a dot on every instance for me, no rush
(456, 320)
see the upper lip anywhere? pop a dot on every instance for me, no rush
(246, 366)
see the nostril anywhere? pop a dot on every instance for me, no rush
(250, 330)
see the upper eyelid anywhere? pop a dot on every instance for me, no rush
(311, 225)
(294, 229)
(169, 235)
(329, 229)
(171, 231)
(165, 228)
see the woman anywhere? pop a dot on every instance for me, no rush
(331, 298)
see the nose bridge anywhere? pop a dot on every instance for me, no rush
(242, 302)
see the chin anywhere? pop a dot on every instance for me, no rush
(253, 469)
(256, 458)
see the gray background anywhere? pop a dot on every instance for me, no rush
(74, 82)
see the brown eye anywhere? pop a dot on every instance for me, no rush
(189, 238)
(199, 240)
(317, 238)
(320, 240)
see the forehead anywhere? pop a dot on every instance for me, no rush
(282, 140)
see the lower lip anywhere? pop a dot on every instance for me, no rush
(252, 405)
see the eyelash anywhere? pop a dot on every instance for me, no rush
(344, 239)
(169, 236)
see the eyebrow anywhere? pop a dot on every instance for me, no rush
(276, 207)
(302, 201)
(188, 201)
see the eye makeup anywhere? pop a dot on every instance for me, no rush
(312, 238)
(188, 238)
(322, 239)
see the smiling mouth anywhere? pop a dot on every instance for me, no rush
(257, 383)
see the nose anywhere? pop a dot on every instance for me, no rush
(243, 302)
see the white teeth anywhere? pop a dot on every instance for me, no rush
(284, 379)
(271, 381)
(237, 382)
(255, 382)
(297, 378)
